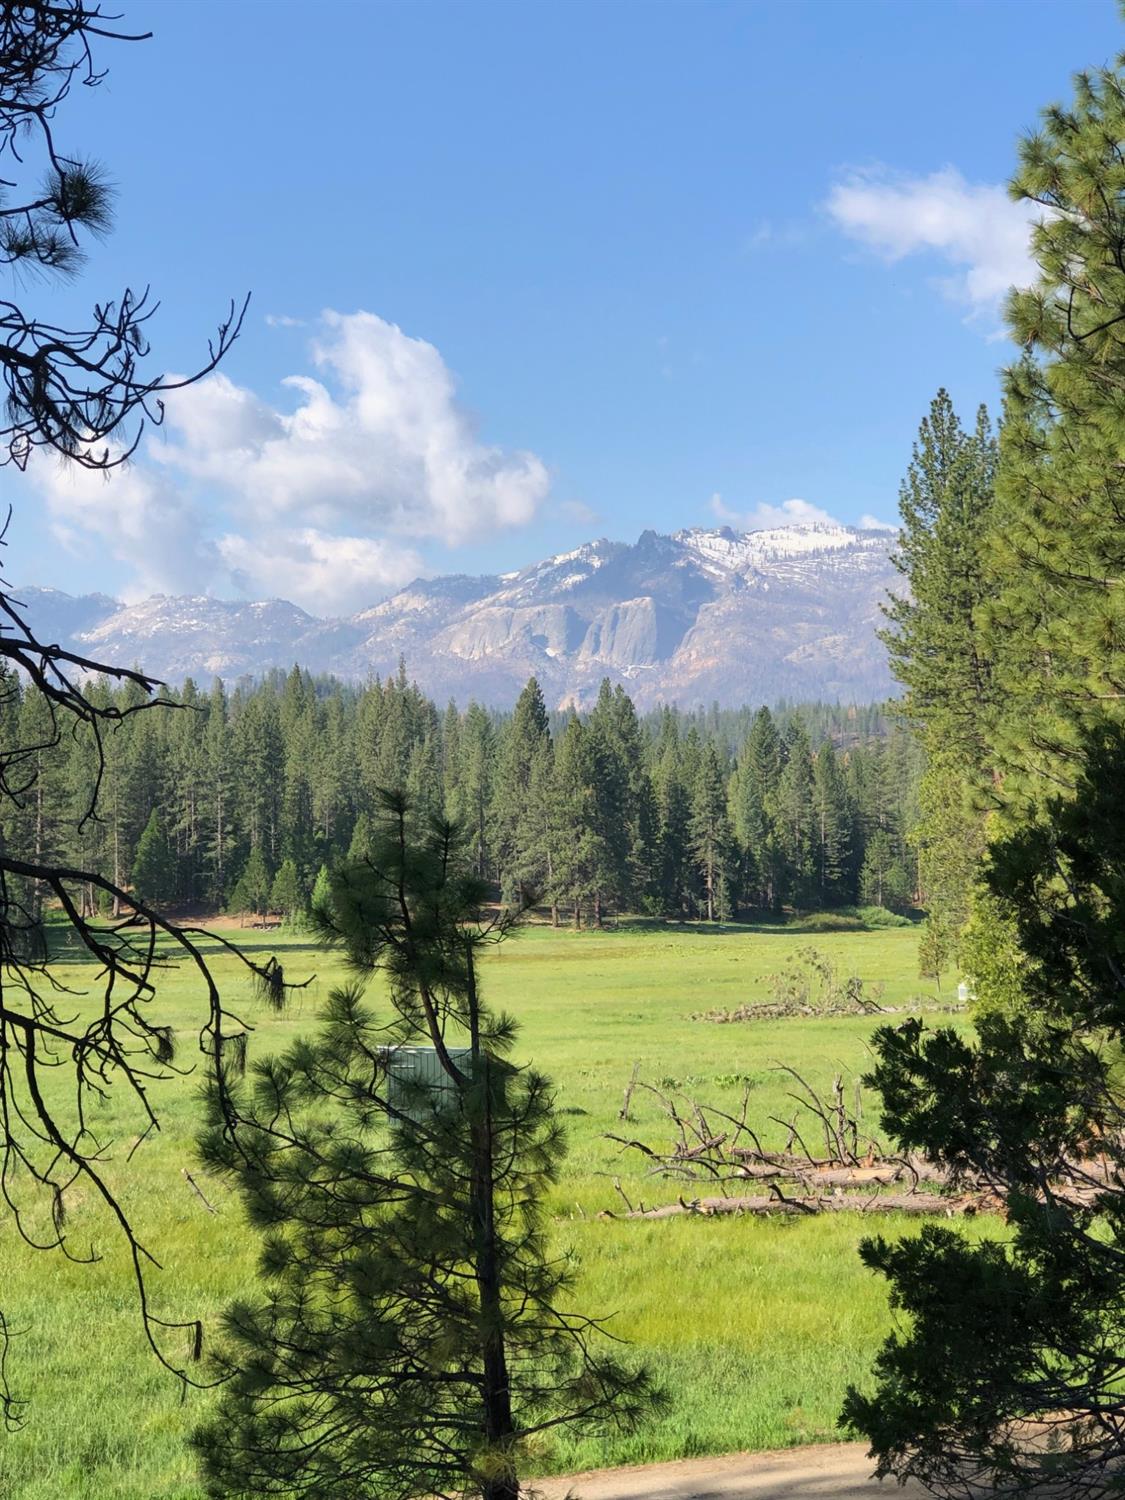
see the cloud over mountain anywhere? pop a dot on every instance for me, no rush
(320, 500)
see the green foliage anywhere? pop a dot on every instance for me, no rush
(287, 895)
(994, 965)
(154, 873)
(1057, 545)
(709, 833)
(252, 891)
(936, 646)
(796, 818)
(410, 1339)
(1031, 1331)
(944, 657)
(289, 767)
(1035, 1106)
(321, 899)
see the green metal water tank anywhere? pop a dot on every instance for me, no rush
(420, 1065)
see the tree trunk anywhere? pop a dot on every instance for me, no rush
(496, 1391)
(551, 889)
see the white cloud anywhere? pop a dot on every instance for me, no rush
(322, 501)
(381, 442)
(974, 227)
(764, 517)
(579, 513)
(135, 515)
(331, 574)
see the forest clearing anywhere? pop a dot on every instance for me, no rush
(779, 1314)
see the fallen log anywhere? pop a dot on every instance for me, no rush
(933, 1205)
(854, 1174)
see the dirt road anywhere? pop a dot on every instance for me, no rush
(841, 1470)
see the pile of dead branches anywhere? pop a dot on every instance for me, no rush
(830, 1163)
(812, 985)
(780, 1010)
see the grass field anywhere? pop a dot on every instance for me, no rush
(755, 1326)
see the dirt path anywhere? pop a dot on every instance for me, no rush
(841, 1470)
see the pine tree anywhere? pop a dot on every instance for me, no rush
(1056, 618)
(834, 824)
(410, 1338)
(477, 750)
(1004, 1337)
(321, 891)
(252, 892)
(937, 648)
(154, 870)
(796, 817)
(259, 761)
(942, 653)
(520, 862)
(577, 856)
(710, 834)
(286, 894)
(673, 812)
(753, 798)
(218, 794)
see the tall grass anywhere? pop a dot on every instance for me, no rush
(755, 1326)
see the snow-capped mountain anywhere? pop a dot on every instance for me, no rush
(698, 616)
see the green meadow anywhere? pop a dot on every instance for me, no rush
(755, 1326)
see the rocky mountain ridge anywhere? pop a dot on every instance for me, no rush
(693, 617)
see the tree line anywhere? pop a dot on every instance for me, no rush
(241, 800)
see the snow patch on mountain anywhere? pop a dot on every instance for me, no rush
(700, 615)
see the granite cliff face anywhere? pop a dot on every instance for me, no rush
(689, 618)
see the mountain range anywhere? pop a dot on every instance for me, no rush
(694, 617)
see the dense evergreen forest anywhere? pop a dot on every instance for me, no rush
(239, 801)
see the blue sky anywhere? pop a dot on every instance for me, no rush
(525, 274)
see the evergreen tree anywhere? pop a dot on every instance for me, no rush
(259, 760)
(474, 783)
(796, 817)
(410, 1340)
(883, 880)
(943, 655)
(286, 893)
(1003, 1334)
(183, 782)
(753, 799)
(321, 891)
(252, 892)
(834, 823)
(673, 812)
(154, 870)
(614, 784)
(519, 858)
(710, 834)
(1056, 616)
(626, 802)
(629, 810)
(218, 794)
(937, 648)
(578, 854)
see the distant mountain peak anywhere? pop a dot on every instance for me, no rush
(703, 614)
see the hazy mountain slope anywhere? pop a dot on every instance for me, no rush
(688, 618)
